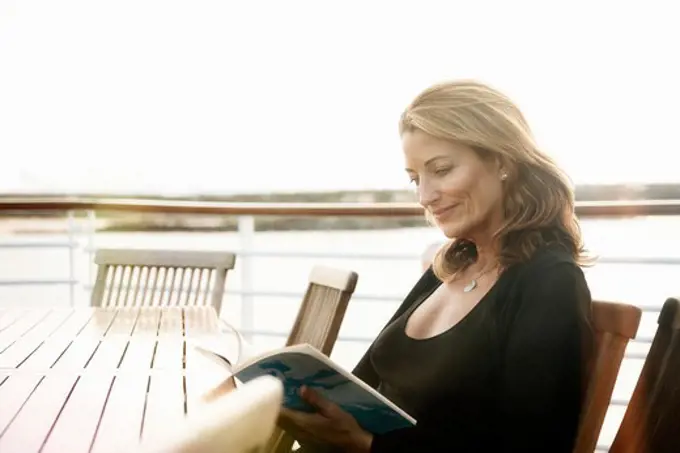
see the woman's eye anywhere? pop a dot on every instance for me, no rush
(442, 171)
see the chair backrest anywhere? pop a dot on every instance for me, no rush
(317, 323)
(241, 421)
(652, 418)
(131, 278)
(323, 308)
(615, 325)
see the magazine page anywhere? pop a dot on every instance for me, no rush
(302, 365)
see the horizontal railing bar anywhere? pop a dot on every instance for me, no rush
(299, 295)
(356, 296)
(38, 245)
(662, 261)
(37, 282)
(650, 260)
(614, 208)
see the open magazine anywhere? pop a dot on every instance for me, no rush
(304, 365)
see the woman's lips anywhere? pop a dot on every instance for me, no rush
(443, 211)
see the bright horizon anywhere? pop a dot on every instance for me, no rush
(214, 97)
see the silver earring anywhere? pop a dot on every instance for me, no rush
(504, 176)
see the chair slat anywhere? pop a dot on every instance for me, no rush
(138, 278)
(615, 325)
(318, 323)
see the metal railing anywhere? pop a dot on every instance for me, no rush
(585, 209)
(247, 214)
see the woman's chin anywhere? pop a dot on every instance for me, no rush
(451, 230)
(456, 228)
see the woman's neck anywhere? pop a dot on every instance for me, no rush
(488, 253)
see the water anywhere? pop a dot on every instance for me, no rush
(644, 285)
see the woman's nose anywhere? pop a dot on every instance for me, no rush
(428, 194)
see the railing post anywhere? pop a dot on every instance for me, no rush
(91, 232)
(246, 230)
(72, 244)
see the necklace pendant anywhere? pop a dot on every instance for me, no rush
(470, 286)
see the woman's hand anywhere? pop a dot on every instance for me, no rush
(329, 424)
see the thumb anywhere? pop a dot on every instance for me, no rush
(325, 407)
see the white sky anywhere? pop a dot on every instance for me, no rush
(221, 96)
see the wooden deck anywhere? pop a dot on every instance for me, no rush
(99, 380)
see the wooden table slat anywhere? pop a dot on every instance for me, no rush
(77, 354)
(83, 347)
(139, 353)
(169, 354)
(55, 345)
(33, 339)
(124, 323)
(121, 422)
(27, 432)
(21, 327)
(14, 391)
(103, 377)
(171, 322)
(108, 354)
(81, 414)
(199, 321)
(99, 324)
(9, 317)
(147, 323)
(164, 406)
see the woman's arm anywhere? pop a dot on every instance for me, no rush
(545, 359)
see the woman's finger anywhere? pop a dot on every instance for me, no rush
(304, 419)
(324, 406)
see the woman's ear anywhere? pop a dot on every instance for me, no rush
(504, 168)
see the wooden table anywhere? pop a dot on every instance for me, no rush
(98, 380)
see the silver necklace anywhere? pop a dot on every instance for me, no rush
(473, 283)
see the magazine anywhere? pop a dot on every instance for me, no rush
(304, 365)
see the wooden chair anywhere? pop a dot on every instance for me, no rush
(615, 325)
(317, 323)
(239, 422)
(323, 308)
(140, 278)
(318, 319)
(652, 419)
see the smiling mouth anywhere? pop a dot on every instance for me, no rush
(441, 212)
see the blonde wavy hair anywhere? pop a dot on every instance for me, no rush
(538, 198)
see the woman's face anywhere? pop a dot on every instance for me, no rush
(461, 191)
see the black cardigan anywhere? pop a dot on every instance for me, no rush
(509, 379)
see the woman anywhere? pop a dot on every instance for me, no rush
(488, 349)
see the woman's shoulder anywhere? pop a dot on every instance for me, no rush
(551, 283)
(550, 260)
(551, 273)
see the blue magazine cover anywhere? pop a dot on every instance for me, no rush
(300, 365)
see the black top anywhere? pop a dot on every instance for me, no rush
(507, 378)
